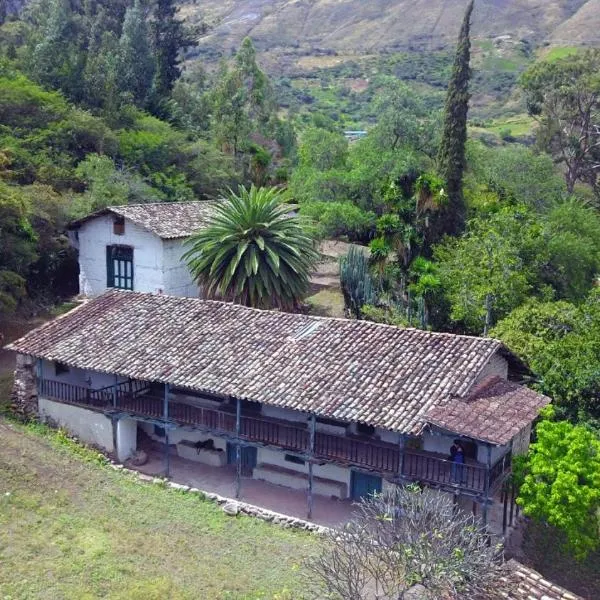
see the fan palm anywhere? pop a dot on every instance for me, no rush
(253, 251)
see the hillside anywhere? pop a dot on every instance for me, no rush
(306, 27)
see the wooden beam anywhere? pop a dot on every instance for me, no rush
(115, 387)
(238, 449)
(401, 447)
(311, 451)
(488, 469)
(39, 376)
(166, 430)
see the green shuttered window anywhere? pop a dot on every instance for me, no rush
(119, 267)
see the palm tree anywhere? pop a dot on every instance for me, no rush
(253, 251)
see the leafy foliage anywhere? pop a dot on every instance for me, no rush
(561, 482)
(560, 342)
(564, 95)
(253, 251)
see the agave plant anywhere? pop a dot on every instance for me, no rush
(253, 251)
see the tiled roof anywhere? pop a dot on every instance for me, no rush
(494, 412)
(351, 370)
(168, 220)
(528, 584)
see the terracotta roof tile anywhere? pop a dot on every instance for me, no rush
(528, 584)
(495, 411)
(168, 220)
(353, 370)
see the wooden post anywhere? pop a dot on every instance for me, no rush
(40, 376)
(311, 451)
(238, 449)
(401, 447)
(487, 483)
(504, 507)
(166, 418)
(115, 387)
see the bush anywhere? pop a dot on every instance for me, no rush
(340, 219)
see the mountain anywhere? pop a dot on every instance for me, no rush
(347, 27)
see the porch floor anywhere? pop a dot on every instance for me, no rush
(327, 511)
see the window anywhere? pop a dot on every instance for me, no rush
(60, 368)
(159, 431)
(119, 267)
(293, 459)
(119, 226)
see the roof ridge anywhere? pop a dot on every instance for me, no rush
(164, 202)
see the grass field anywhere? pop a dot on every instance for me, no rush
(71, 527)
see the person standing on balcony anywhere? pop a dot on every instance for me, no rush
(457, 456)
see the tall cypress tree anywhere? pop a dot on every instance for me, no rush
(136, 65)
(169, 37)
(451, 158)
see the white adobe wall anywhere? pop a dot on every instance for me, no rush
(277, 458)
(520, 443)
(80, 377)
(96, 234)
(126, 438)
(177, 277)
(275, 412)
(89, 426)
(497, 365)
(181, 433)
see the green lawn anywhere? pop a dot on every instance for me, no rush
(552, 54)
(71, 527)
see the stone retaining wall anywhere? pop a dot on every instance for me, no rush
(24, 398)
(231, 506)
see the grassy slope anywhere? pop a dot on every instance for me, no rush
(70, 528)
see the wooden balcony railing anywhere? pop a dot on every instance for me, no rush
(368, 454)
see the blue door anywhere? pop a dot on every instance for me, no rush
(363, 485)
(249, 456)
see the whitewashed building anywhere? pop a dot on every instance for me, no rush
(138, 247)
(338, 407)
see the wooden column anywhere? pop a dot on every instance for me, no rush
(115, 387)
(311, 453)
(39, 376)
(238, 449)
(401, 448)
(487, 483)
(166, 418)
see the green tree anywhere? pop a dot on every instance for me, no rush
(136, 66)
(101, 71)
(486, 272)
(55, 60)
(572, 232)
(561, 343)
(17, 247)
(564, 97)
(404, 120)
(253, 251)
(451, 156)
(169, 38)
(561, 482)
(231, 123)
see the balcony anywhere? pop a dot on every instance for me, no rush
(380, 457)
